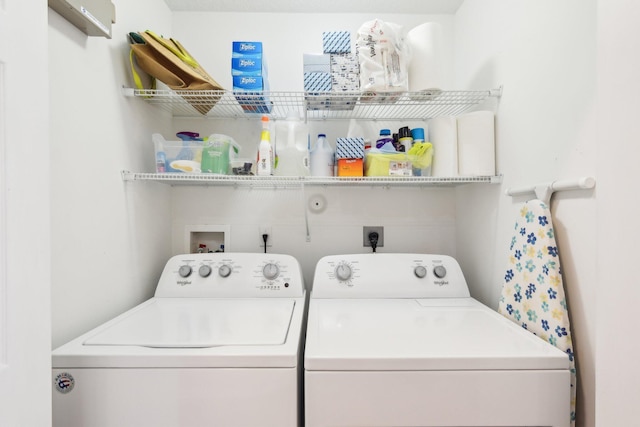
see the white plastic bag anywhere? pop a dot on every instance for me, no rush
(383, 57)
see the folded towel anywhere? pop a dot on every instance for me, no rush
(532, 293)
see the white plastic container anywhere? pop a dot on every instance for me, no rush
(291, 146)
(322, 157)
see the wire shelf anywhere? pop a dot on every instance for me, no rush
(315, 106)
(299, 181)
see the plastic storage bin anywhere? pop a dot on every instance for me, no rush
(399, 164)
(177, 156)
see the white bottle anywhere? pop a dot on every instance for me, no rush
(291, 137)
(265, 151)
(322, 157)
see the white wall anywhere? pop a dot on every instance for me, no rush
(618, 293)
(110, 239)
(544, 54)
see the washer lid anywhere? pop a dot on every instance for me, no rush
(431, 334)
(200, 323)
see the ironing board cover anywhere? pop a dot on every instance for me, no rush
(532, 293)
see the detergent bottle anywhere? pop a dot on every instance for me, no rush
(217, 153)
(385, 140)
(265, 151)
(322, 157)
(291, 142)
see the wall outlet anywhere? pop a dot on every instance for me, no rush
(366, 230)
(265, 229)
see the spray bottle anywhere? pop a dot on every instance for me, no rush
(265, 151)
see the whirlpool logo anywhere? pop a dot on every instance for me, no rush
(183, 282)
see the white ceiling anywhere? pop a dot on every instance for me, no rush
(319, 6)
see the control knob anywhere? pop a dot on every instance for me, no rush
(440, 271)
(343, 272)
(185, 271)
(420, 271)
(224, 270)
(204, 271)
(270, 271)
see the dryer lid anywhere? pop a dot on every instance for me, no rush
(200, 323)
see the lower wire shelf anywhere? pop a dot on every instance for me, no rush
(298, 181)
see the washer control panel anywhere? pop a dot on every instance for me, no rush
(231, 275)
(378, 275)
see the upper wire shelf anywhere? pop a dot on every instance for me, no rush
(315, 106)
(298, 181)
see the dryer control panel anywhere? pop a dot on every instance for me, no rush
(231, 275)
(380, 275)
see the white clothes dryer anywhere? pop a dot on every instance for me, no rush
(219, 344)
(396, 340)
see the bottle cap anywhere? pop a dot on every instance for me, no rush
(322, 135)
(418, 133)
(385, 132)
(404, 132)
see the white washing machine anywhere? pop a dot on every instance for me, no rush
(219, 344)
(396, 340)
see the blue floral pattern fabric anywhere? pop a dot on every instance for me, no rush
(532, 293)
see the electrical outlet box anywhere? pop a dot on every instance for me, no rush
(207, 238)
(366, 230)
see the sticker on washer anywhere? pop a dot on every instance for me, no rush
(64, 382)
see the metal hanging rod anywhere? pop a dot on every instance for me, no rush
(545, 190)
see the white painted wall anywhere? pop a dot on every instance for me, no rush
(544, 54)
(110, 239)
(618, 230)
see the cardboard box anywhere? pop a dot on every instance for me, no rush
(316, 63)
(247, 66)
(349, 148)
(247, 59)
(336, 41)
(350, 167)
(255, 100)
(350, 154)
(240, 48)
